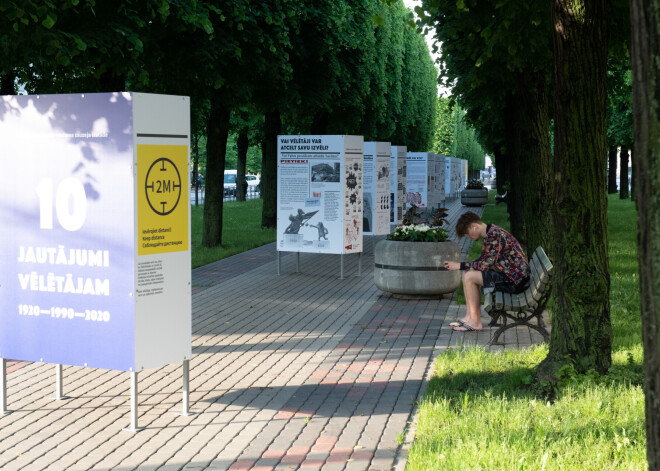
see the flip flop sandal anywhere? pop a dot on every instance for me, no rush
(456, 324)
(465, 328)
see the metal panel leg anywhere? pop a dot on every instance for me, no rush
(3, 380)
(298, 262)
(360, 265)
(59, 384)
(134, 404)
(186, 395)
(341, 266)
(278, 262)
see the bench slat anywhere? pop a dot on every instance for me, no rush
(543, 258)
(542, 275)
(488, 302)
(499, 300)
(518, 303)
(508, 306)
(537, 293)
(531, 302)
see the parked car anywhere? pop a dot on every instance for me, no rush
(230, 183)
(253, 183)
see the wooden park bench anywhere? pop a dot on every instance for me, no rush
(524, 307)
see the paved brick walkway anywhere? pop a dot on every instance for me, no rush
(297, 371)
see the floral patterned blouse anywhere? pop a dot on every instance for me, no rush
(501, 252)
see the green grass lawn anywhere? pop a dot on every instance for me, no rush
(241, 231)
(486, 411)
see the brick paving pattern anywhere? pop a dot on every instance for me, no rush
(298, 371)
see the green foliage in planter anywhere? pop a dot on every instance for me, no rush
(419, 233)
(474, 184)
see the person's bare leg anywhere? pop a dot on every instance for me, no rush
(472, 280)
(466, 317)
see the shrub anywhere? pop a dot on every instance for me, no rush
(474, 184)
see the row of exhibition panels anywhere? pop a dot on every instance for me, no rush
(332, 190)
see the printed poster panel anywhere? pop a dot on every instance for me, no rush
(67, 242)
(440, 163)
(417, 179)
(162, 201)
(163, 324)
(369, 189)
(393, 185)
(398, 185)
(353, 200)
(456, 175)
(430, 178)
(376, 193)
(465, 173)
(312, 194)
(382, 193)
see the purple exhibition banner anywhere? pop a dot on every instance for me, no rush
(67, 229)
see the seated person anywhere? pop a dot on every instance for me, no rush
(502, 266)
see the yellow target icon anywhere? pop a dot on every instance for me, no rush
(163, 186)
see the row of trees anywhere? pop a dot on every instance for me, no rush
(258, 69)
(455, 137)
(517, 68)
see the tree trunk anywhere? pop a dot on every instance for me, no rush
(623, 178)
(512, 120)
(272, 127)
(529, 146)
(611, 176)
(216, 152)
(8, 84)
(241, 159)
(502, 168)
(196, 168)
(581, 326)
(645, 62)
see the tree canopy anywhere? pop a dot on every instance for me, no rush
(322, 66)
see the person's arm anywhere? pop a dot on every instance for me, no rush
(489, 255)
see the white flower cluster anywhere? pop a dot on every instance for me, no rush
(412, 227)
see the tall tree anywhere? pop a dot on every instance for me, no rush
(645, 59)
(612, 167)
(496, 55)
(582, 331)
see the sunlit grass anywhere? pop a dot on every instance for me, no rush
(486, 411)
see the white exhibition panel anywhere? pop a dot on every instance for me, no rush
(163, 309)
(440, 163)
(452, 177)
(319, 194)
(376, 192)
(69, 287)
(398, 184)
(419, 166)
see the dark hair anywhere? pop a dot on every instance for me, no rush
(464, 223)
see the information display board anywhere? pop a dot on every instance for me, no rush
(319, 194)
(95, 246)
(419, 172)
(440, 163)
(376, 220)
(398, 184)
(464, 173)
(452, 177)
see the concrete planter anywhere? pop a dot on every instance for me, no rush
(415, 269)
(474, 197)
